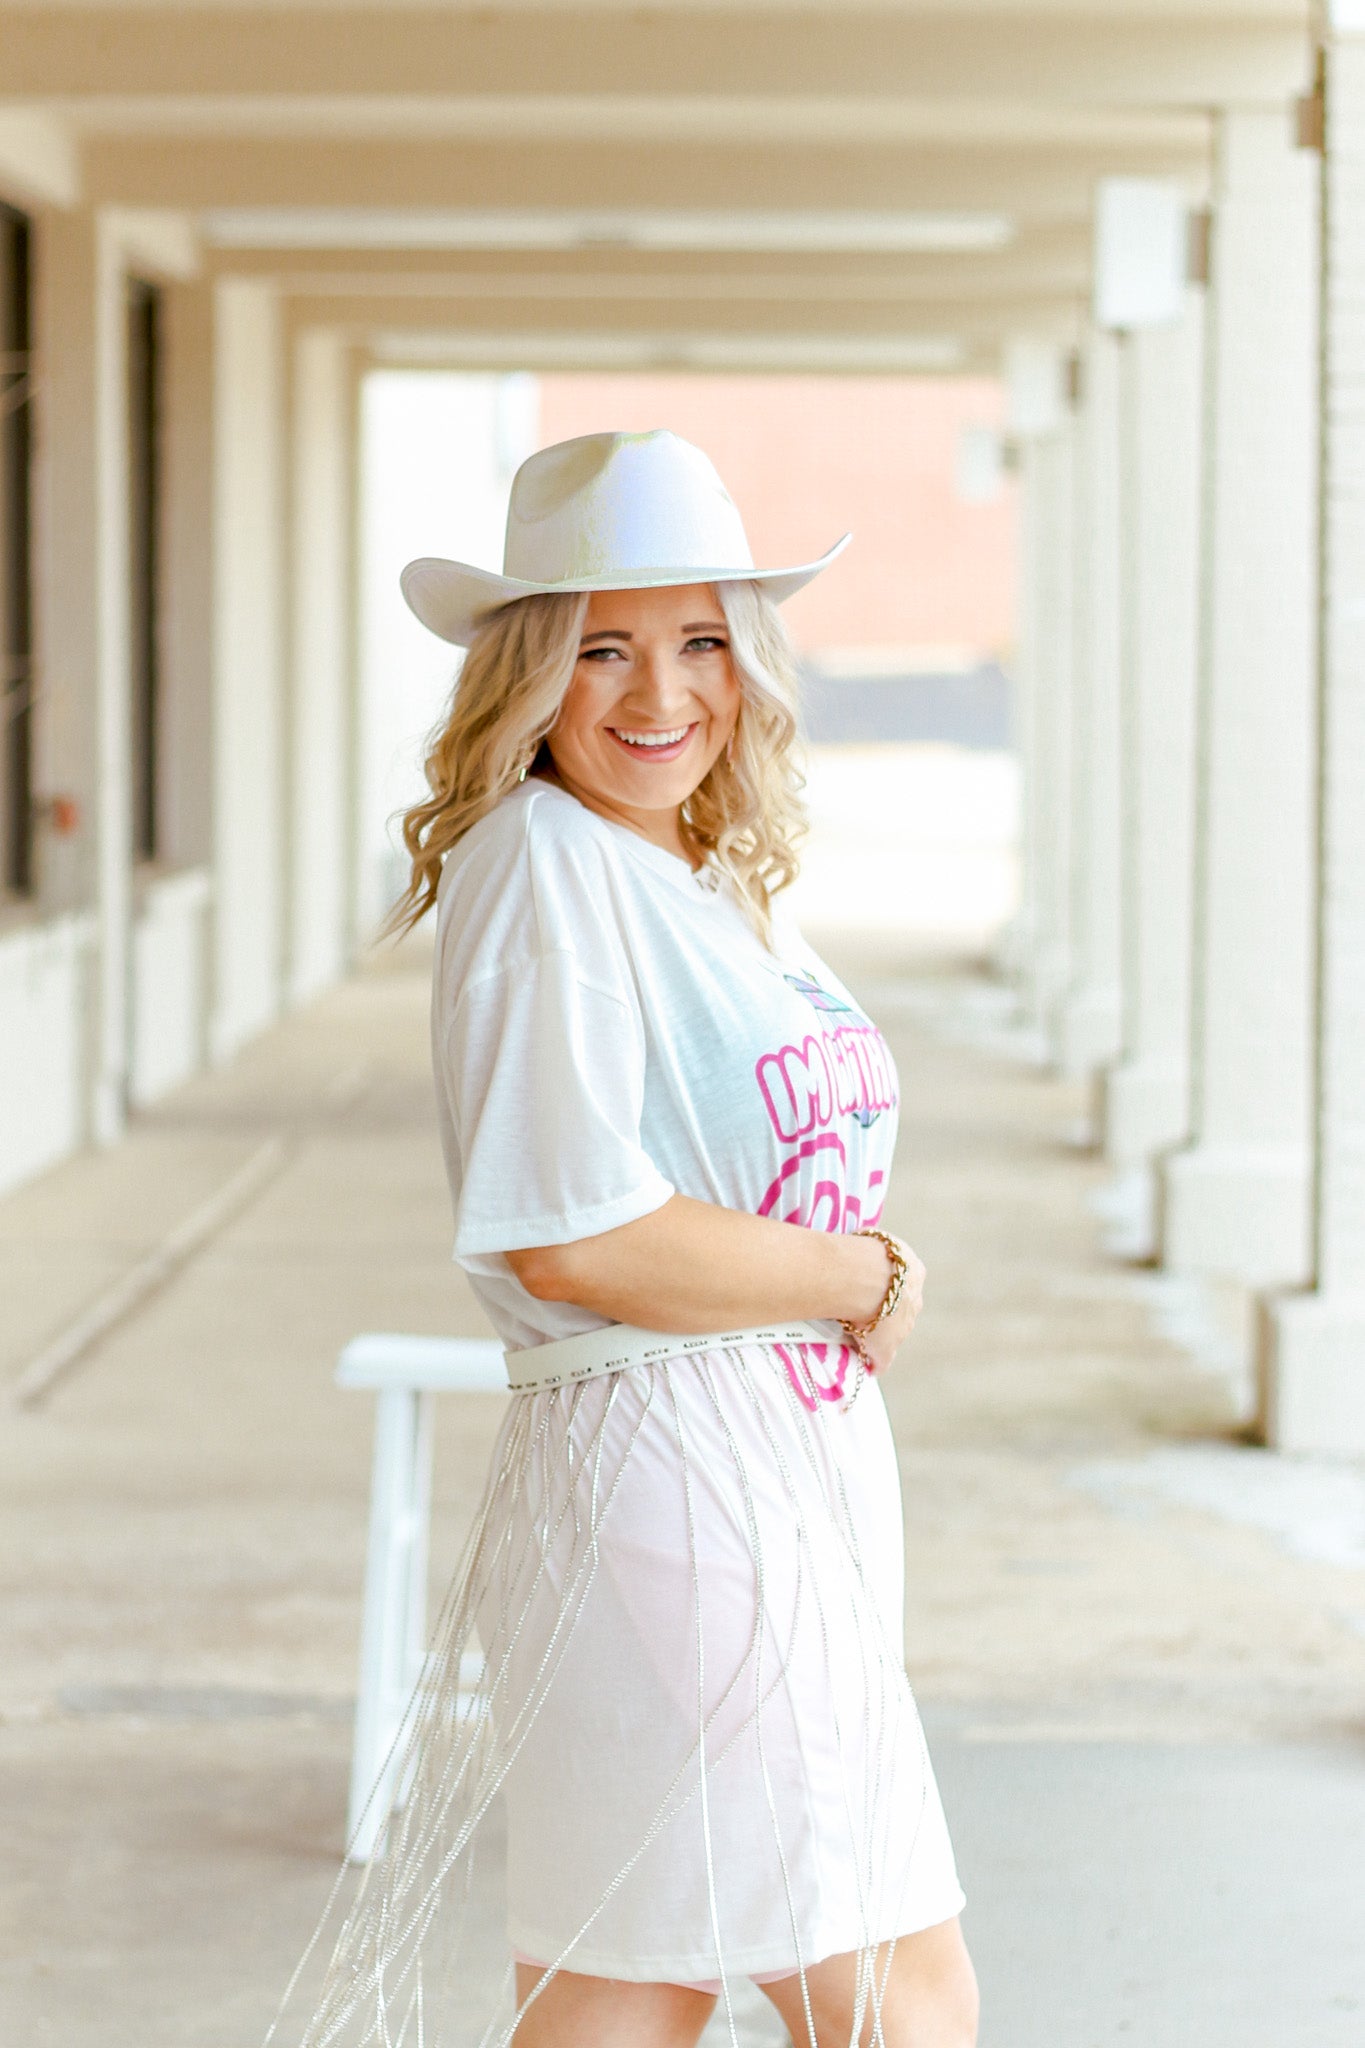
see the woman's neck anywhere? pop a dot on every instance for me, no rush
(661, 828)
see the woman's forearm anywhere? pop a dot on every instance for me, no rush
(693, 1266)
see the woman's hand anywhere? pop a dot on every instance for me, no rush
(882, 1344)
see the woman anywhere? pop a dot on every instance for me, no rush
(660, 1113)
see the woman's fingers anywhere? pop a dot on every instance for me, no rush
(884, 1342)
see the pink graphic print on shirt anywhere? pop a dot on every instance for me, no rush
(808, 1090)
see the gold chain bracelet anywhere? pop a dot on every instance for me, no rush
(899, 1269)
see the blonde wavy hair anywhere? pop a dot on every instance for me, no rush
(746, 817)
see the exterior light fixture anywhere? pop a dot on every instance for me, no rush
(775, 230)
(1141, 252)
(1035, 387)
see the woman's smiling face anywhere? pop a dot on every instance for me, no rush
(654, 698)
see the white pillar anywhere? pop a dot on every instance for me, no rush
(1016, 947)
(1088, 1016)
(322, 634)
(1146, 1094)
(66, 545)
(1036, 411)
(83, 618)
(1235, 1201)
(1045, 660)
(249, 852)
(186, 796)
(1314, 1355)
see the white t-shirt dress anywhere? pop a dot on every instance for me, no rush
(693, 1718)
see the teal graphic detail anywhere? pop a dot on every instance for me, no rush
(820, 998)
(806, 985)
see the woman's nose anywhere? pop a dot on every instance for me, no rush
(660, 681)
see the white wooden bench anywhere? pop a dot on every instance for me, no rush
(404, 1372)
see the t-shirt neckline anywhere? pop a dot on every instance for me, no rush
(700, 881)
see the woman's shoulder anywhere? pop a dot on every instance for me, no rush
(536, 825)
(533, 876)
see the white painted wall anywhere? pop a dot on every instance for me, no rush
(170, 983)
(322, 667)
(103, 983)
(45, 991)
(438, 451)
(248, 722)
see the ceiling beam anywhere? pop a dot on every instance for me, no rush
(1054, 261)
(866, 325)
(1063, 55)
(661, 117)
(1042, 182)
(760, 355)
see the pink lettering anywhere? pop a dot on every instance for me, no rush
(843, 1211)
(864, 1050)
(847, 1084)
(809, 1390)
(792, 1166)
(803, 1085)
(796, 1086)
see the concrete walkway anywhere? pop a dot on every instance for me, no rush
(1139, 1645)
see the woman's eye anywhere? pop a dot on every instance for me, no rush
(600, 654)
(708, 642)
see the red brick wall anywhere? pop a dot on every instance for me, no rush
(808, 458)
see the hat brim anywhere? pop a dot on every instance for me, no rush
(453, 598)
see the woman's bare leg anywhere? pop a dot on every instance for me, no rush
(928, 1996)
(574, 2011)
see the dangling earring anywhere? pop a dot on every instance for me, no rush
(525, 767)
(730, 749)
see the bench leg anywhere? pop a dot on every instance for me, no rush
(394, 1628)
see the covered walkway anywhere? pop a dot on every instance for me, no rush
(1135, 1143)
(1140, 1648)
(1146, 217)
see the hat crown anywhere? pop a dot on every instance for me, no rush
(624, 504)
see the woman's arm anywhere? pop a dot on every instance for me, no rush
(693, 1266)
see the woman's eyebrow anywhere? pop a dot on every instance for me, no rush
(617, 633)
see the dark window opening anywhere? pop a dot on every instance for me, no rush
(144, 519)
(16, 561)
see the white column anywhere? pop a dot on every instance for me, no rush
(249, 845)
(186, 795)
(66, 546)
(1088, 1016)
(1146, 1094)
(83, 618)
(1048, 491)
(1314, 1353)
(1035, 408)
(1235, 1201)
(322, 633)
(1016, 947)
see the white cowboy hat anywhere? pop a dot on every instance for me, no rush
(604, 512)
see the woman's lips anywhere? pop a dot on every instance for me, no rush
(655, 751)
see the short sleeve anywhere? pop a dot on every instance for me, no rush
(545, 1077)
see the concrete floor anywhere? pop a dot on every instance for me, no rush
(1148, 1715)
